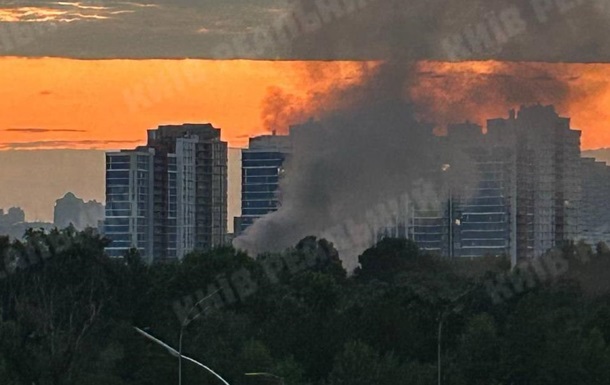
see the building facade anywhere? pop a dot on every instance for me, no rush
(481, 215)
(129, 201)
(169, 197)
(548, 183)
(262, 168)
(595, 208)
(210, 171)
(523, 196)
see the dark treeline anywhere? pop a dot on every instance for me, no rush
(68, 312)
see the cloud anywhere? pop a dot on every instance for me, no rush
(61, 12)
(568, 30)
(65, 144)
(32, 130)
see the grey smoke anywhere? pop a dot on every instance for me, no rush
(370, 151)
(524, 30)
(569, 30)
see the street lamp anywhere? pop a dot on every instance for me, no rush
(268, 375)
(442, 315)
(175, 353)
(183, 326)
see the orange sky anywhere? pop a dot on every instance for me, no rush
(117, 100)
(64, 103)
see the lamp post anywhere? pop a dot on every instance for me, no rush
(441, 318)
(175, 353)
(268, 375)
(442, 315)
(187, 320)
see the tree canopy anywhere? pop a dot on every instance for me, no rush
(67, 313)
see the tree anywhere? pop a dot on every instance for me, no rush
(55, 301)
(479, 351)
(386, 258)
(359, 364)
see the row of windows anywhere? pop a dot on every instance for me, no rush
(253, 164)
(123, 189)
(112, 187)
(476, 210)
(124, 205)
(490, 184)
(483, 218)
(260, 188)
(258, 196)
(116, 229)
(116, 221)
(474, 234)
(426, 238)
(267, 171)
(110, 159)
(125, 244)
(118, 166)
(484, 243)
(118, 212)
(260, 180)
(487, 201)
(141, 214)
(113, 174)
(256, 211)
(260, 204)
(250, 155)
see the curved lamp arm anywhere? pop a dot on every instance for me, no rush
(175, 353)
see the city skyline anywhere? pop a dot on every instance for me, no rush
(85, 163)
(307, 192)
(516, 190)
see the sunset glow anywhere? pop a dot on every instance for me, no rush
(107, 104)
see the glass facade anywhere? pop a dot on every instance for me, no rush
(128, 201)
(262, 168)
(155, 193)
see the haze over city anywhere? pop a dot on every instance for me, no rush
(304, 192)
(108, 100)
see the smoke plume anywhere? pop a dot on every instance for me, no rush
(369, 146)
(448, 93)
(367, 151)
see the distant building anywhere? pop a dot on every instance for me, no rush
(525, 196)
(129, 201)
(13, 224)
(210, 176)
(262, 168)
(481, 218)
(169, 197)
(13, 216)
(548, 187)
(74, 211)
(595, 208)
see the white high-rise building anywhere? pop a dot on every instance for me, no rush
(548, 189)
(168, 198)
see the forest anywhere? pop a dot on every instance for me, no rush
(68, 315)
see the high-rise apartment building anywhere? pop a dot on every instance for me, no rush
(547, 177)
(524, 194)
(262, 168)
(481, 214)
(595, 207)
(169, 197)
(210, 171)
(473, 216)
(129, 201)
